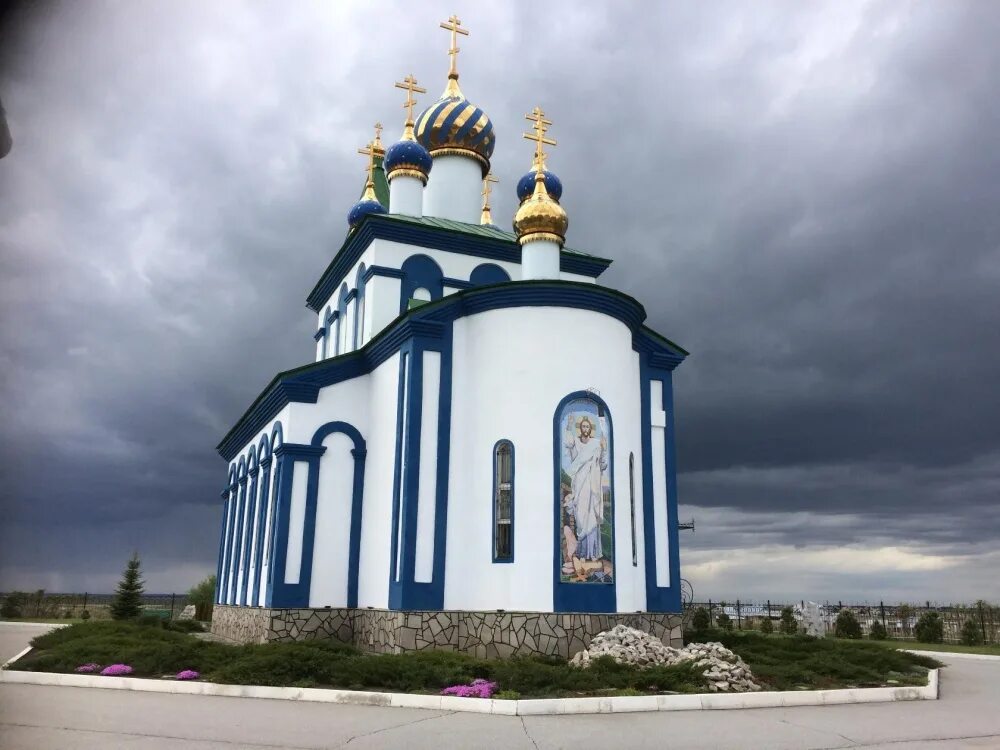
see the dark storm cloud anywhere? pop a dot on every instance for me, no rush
(805, 196)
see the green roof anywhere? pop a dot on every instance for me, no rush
(479, 230)
(381, 184)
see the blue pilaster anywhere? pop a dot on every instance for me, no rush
(248, 535)
(265, 481)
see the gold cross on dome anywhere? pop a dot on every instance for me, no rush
(541, 127)
(409, 84)
(455, 27)
(489, 178)
(370, 152)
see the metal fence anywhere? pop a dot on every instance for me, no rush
(899, 620)
(45, 605)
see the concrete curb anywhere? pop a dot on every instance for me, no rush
(955, 655)
(539, 707)
(15, 658)
(23, 624)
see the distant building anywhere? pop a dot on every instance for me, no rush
(481, 456)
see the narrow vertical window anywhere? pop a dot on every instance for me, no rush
(503, 502)
(631, 501)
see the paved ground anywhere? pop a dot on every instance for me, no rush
(38, 718)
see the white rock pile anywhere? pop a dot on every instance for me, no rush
(725, 672)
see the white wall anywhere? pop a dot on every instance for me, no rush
(454, 189)
(540, 260)
(511, 369)
(406, 195)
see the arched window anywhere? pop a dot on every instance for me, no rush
(359, 307)
(327, 333)
(631, 501)
(419, 272)
(341, 340)
(503, 502)
(488, 273)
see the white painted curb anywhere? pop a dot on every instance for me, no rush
(545, 706)
(955, 655)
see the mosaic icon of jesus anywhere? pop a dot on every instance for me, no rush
(585, 492)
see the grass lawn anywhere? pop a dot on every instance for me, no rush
(955, 648)
(152, 650)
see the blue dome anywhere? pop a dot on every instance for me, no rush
(526, 186)
(407, 155)
(361, 210)
(454, 122)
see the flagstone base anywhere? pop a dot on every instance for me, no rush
(484, 634)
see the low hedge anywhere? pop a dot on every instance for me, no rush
(779, 662)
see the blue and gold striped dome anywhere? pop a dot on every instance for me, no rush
(453, 124)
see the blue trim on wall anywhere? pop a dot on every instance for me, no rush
(402, 425)
(251, 514)
(431, 320)
(581, 597)
(359, 452)
(265, 483)
(658, 598)
(276, 484)
(394, 229)
(493, 500)
(234, 567)
(295, 595)
(407, 593)
(385, 271)
(488, 273)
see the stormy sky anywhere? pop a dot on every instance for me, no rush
(804, 195)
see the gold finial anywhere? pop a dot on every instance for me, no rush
(455, 27)
(410, 85)
(541, 127)
(486, 217)
(370, 151)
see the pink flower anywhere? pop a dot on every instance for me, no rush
(478, 688)
(188, 674)
(87, 668)
(116, 670)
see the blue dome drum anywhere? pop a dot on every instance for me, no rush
(454, 124)
(526, 186)
(407, 157)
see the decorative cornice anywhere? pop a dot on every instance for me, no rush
(433, 320)
(396, 229)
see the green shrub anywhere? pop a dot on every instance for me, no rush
(930, 628)
(184, 626)
(877, 631)
(766, 626)
(972, 634)
(67, 615)
(508, 695)
(724, 621)
(85, 615)
(788, 624)
(700, 620)
(847, 625)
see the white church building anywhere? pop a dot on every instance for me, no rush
(481, 456)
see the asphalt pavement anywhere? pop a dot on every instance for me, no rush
(39, 717)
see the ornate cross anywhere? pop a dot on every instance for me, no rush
(370, 152)
(409, 84)
(487, 189)
(541, 127)
(455, 27)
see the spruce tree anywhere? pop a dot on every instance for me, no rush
(127, 604)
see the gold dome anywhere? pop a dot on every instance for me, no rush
(540, 217)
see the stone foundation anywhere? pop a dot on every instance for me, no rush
(483, 634)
